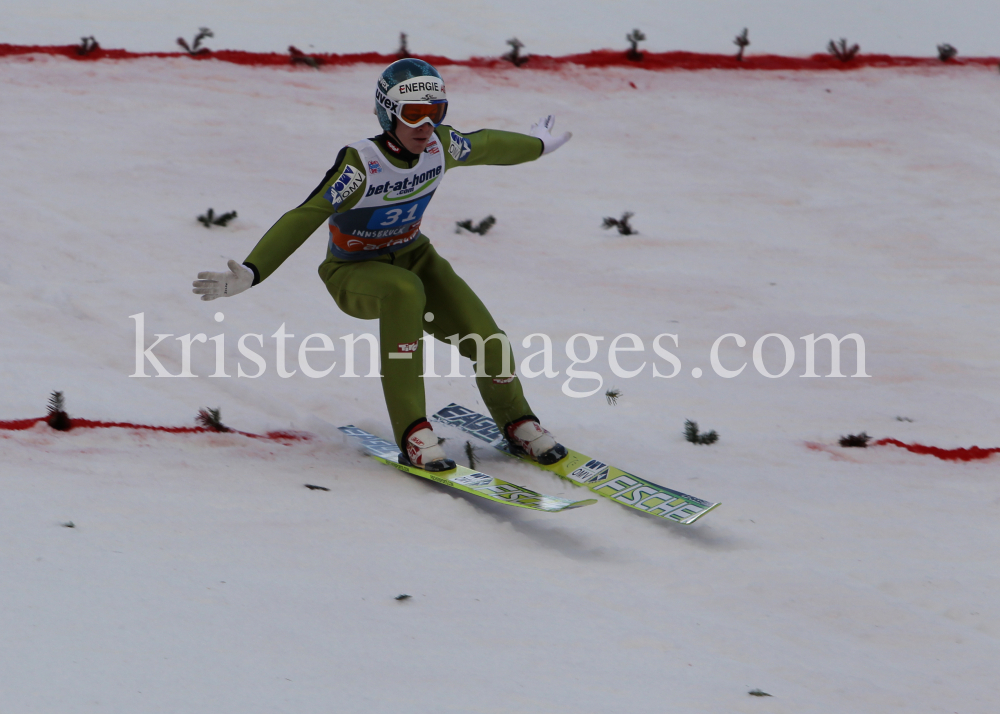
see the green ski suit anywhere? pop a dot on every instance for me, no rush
(401, 280)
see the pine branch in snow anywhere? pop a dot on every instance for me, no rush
(211, 419)
(471, 454)
(622, 224)
(742, 41)
(842, 51)
(692, 435)
(57, 418)
(482, 228)
(56, 402)
(209, 219)
(758, 693)
(634, 38)
(859, 440)
(404, 51)
(87, 45)
(300, 57)
(195, 47)
(613, 395)
(316, 488)
(514, 56)
(403, 596)
(946, 52)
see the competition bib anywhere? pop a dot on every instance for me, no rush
(389, 213)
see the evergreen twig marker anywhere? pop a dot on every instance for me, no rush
(482, 228)
(87, 45)
(211, 419)
(692, 435)
(514, 55)
(57, 418)
(300, 57)
(209, 218)
(856, 440)
(471, 453)
(742, 41)
(195, 47)
(622, 224)
(946, 52)
(634, 38)
(842, 51)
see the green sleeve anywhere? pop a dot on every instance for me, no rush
(487, 147)
(295, 226)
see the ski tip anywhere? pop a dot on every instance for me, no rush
(581, 504)
(691, 519)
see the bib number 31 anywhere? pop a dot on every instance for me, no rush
(398, 215)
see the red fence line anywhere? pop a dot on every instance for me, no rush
(596, 58)
(973, 453)
(23, 424)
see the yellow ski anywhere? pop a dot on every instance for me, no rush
(604, 480)
(463, 479)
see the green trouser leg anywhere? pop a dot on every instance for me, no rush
(458, 311)
(398, 290)
(375, 289)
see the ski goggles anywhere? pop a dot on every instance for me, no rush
(417, 113)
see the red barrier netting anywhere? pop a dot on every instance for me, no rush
(973, 453)
(23, 424)
(596, 58)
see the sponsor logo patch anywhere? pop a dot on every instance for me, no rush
(502, 380)
(476, 479)
(386, 103)
(420, 85)
(471, 422)
(374, 167)
(376, 240)
(407, 346)
(459, 148)
(590, 472)
(432, 148)
(348, 182)
(407, 188)
(392, 147)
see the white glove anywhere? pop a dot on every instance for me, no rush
(542, 130)
(216, 285)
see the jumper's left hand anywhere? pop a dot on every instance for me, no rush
(543, 130)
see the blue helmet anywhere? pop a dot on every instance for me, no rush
(407, 81)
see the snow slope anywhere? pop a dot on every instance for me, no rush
(477, 28)
(201, 574)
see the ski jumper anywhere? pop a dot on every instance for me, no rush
(380, 266)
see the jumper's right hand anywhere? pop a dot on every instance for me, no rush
(216, 285)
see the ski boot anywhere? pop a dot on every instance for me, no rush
(527, 437)
(423, 450)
